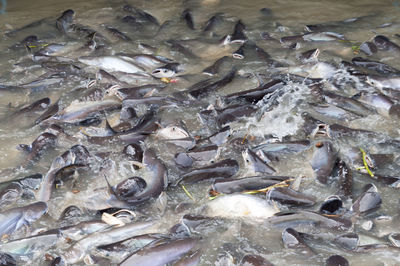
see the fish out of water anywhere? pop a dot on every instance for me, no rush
(247, 207)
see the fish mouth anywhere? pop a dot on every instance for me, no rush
(322, 130)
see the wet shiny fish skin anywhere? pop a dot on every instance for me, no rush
(13, 219)
(160, 254)
(240, 206)
(141, 160)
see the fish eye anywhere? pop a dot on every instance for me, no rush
(165, 71)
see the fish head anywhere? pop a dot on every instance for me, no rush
(173, 132)
(373, 82)
(163, 72)
(226, 40)
(35, 211)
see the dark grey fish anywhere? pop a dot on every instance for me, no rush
(368, 48)
(64, 22)
(38, 146)
(284, 146)
(188, 17)
(167, 71)
(141, 15)
(285, 195)
(336, 130)
(198, 90)
(76, 156)
(52, 110)
(37, 106)
(13, 219)
(10, 194)
(292, 239)
(379, 67)
(214, 68)
(233, 112)
(219, 137)
(213, 22)
(331, 206)
(254, 260)
(120, 35)
(256, 163)
(291, 219)
(368, 201)
(152, 100)
(239, 53)
(183, 160)
(28, 245)
(203, 153)
(334, 112)
(323, 161)
(134, 152)
(125, 247)
(186, 143)
(382, 103)
(238, 35)
(309, 56)
(80, 111)
(7, 260)
(336, 260)
(222, 169)
(348, 241)
(78, 250)
(345, 180)
(189, 260)
(161, 254)
(257, 94)
(156, 183)
(127, 189)
(105, 77)
(383, 43)
(346, 103)
(264, 56)
(229, 185)
(137, 92)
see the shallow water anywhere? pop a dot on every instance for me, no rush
(278, 117)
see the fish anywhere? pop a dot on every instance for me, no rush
(229, 185)
(77, 251)
(161, 254)
(80, 111)
(249, 207)
(156, 183)
(10, 194)
(384, 82)
(292, 239)
(323, 161)
(77, 155)
(256, 163)
(188, 17)
(65, 20)
(383, 43)
(13, 219)
(257, 94)
(112, 64)
(215, 68)
(198, 90)
(222, 169)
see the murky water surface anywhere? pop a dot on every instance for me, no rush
(336, 105)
